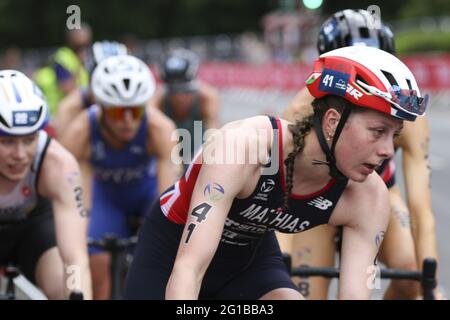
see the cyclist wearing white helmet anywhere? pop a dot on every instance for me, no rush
(43, 223)
(404, 248)
(125, 149)
(212, 234)
(184, 98)
(82, 98)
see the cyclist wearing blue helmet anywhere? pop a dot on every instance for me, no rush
(43, 223)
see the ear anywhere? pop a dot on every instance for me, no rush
(330, 121)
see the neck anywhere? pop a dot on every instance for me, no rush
(6, 185)
(311, 176)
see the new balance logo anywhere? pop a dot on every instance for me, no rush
(321, 203)
(268, 185)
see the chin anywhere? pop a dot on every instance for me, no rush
(357, 177)
(14, 177)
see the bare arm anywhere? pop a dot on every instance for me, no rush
(76, 140)
(205, 222)
(160, 130)
(414, 141)
(366, 210)
(209, 100)
(69, 107)
(61, 182)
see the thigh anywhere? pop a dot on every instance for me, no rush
(266, 272)
(154, 257)
(38, 237)
(314, 248)
(106, 216)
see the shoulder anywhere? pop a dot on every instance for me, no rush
(157, 120)
(362, 201)
(57, 164)
(158, 98)
(300, 105)
(208, 92)
(76, 136)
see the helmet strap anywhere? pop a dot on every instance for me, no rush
(330, 153)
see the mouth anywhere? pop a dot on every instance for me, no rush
(17, 168)
(370, 167)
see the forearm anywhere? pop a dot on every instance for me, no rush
(424, 234)
(183, 285)
(77, 277)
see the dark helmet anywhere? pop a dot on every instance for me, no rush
(351, 27)
(179, 70)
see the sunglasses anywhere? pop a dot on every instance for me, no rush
(119, 113)
(405, 100)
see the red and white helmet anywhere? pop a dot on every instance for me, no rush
(370, 78)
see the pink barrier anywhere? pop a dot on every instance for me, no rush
(432, 72)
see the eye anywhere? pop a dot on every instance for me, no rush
(377, 132)
(6, 142)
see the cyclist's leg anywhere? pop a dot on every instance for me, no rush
(154, 257)
(397, 250)
(282, 294)
(314, 248)
(256, 272)
(105, 218)
(50, 274)
(38, 256)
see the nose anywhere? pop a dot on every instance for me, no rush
(386, 149)
(19, 151)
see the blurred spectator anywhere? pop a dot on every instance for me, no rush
(11, 59)
(65, 70)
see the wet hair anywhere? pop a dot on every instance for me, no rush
(302, 128)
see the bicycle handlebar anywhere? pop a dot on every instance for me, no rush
(112, 243)
(427, 276)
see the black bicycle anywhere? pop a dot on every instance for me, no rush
(426, 277)
(121, 257)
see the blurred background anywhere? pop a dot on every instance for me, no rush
(256, 52)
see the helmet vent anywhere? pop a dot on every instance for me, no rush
(409, 84)
(364, 32)
(126, 82)
(115, 89)
(3, 122)
(390, 78)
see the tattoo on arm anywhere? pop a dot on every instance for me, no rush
(74, 180)
(200, 212)
(378, 240)
(78, 192)
(213, 191)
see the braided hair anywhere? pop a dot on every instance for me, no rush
(302, 128)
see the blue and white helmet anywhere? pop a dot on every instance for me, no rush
(102, 50)
(23, 107)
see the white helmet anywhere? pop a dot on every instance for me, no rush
(122, 81)
(23, 107)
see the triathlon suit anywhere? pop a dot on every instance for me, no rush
(248, 261)
(124, 183)
(26, 219)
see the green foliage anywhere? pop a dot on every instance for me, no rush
(419, 41)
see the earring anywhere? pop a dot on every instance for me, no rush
(330, 136)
